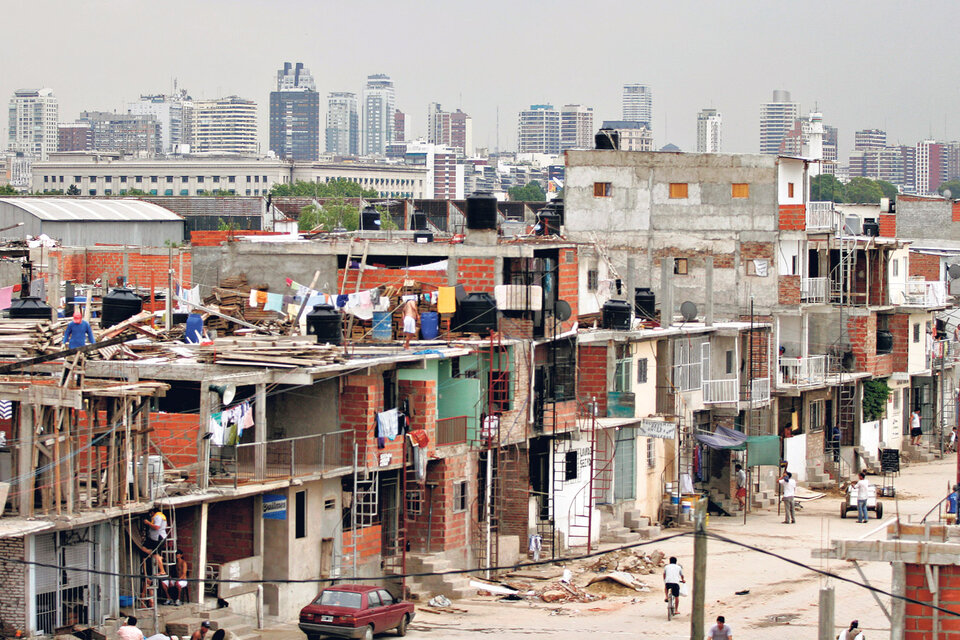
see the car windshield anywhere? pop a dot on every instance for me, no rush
(348, 599)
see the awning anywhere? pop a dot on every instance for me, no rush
(723, 438)
(761, 450)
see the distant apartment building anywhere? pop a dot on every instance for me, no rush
(576, 127)
(138, 135)
(445, 177)
(709, 131)
(295, 114)
(637, 104)
(831, 150)
(453, 129)
(168, 111)
(33, 122)
(399, 126)
(225, 125)
(74, 136)
(894, 164)
(931, 166)
(869, 139)
(538, 130)
(378, 112)
(777, 119)
(343, 124)
(634, 136)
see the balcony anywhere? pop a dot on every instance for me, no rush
(821, 216)
(451, 430)
(720, 391)
(918, 293)
(759, 391)
(814, 290)
(686, 377)
(290, 457)
(943, 353)
(801, 371)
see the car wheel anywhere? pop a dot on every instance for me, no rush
(368, 633)
(879, 511)
(402, 627)
(843, 509)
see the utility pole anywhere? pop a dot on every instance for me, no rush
(699, 569)
(826, 622)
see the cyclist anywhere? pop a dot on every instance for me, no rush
(672, 577)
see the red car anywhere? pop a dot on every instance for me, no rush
(355, 611)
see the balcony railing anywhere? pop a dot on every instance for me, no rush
(686, 377)
(821, 216)
(800, 371)
(814, 290)
(918, 293)
(451, 430)
(945, 352)
(759, 390)
(717, 391)
(291, 457)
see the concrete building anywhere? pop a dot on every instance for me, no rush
(32, 126)
(869, 139)
(379, 106)
(453, 129)
(343, 124)
(777, 119)
(168, 111)
(75, 136)
(225, 125)
(931, 166)
(709, 131)
(295, 114)
(138, 135)
(444, 180)
(637, 104)
(576, 127)
(634, 136)
(399, 126)
(538, 130)
(831, 150)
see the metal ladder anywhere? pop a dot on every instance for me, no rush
(596, 491)
(365, 507)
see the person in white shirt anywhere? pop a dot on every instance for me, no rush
(741, 486)
(789, 487)
(853, 633)
(672, 577)
(916, 431)
(720, 631)
(863, 491)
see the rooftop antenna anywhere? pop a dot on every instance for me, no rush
(498, 130)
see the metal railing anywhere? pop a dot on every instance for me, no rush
(687, 377)
(759, 390)
(451, 430)
(821, 215)
(918, 293)
(799, 371)
(717, 391)
(814, 290)
(291, 457)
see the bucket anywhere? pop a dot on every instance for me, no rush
(674, 500)
(126, 601)
(429, 325)
(686, 509)
(382, 326)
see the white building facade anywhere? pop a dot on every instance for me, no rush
(538, 130)
(226, 125)
(379, 103)
(576, 127)
(709, 131)
(343, 124)
(638, 103)
(777, 119)
(33, 124)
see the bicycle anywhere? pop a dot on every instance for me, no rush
(673, 603)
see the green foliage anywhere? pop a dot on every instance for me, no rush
(875, 396)
(859, 190)
(531, 192)
(136, 192)
(889, 189)
(333, 214)
(386, 222)
(73, 190)
(7, 190)
(862, 190)
(825, 188)
(953, 184)
(223, 225)
(339, 188)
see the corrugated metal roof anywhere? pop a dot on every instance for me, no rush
(70, 209)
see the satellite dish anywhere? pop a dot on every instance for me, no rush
(954, 271)
(561, 309)
(947, 193)
(688, 310)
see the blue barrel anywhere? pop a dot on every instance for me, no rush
(382, 326)
(194, 329)
(429, 325)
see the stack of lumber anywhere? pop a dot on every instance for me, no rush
(273, 352)
(24, 338)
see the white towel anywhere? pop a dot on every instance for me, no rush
(388, 424)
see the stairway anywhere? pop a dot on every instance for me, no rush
(763, 499)
(640, 525)
(182, 621)
(924, 453)
(818, 477)
(612, 530)
(868, 461)
(454, 586)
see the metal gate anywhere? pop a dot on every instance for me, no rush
(625, 466)
(72, 595)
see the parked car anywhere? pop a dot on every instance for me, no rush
(355, 611)
(850, 504)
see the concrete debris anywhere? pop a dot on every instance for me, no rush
(439, 602)
(621, 578)
(560, 592)
(629, 561)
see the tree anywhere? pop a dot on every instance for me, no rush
(136, 192)
(862, 190)
(73, 190)
(334, 214)
(338, 188)
(889, 189)
(7, 190)
(531, 192)
(953, 185)
(825, 188)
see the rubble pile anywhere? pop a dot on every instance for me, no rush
(629, 561)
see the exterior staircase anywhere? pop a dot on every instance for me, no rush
(763, 499)
(924, 453)
(817, 477)
(454, 586)
(868, 461)
(640, 525)
(612, 530)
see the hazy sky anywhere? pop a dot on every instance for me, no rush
(880, 64)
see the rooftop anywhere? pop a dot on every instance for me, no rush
(72, 210)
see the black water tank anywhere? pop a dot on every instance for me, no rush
(616, 315)
(325, 322)
(118, 305)
(30, 307)
(482, 211)
(556, 205)
(645, 303)
(418, 220)
(884, 342)
(548, 222)
(607, 139)
(369, 219)
(871, 227)
(477, 313)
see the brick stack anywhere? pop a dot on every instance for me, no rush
(13, 580)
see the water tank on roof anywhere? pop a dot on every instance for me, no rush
(884, 342)
(645, 303)
(325, 323)
(616, 315)
(607, 139)
(477, 313)
(118, 305)
(418, 220)
(871, 227)
(482, 211)
(369, 219)
(29, 307)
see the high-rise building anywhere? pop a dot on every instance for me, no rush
(869, 139)
(930, 168)
(576, 127)
(295, 114)
(445, 177)
(709, 131)
(138, 135)
(399, 126)
(538, 130)
(777, 119)
(452, 129)
(226, 125)
(638, 104)
(343, 124)
(33, 125)
(168, 111)
(634, 136)
(378, 111)
(434, 124)
(75, 136)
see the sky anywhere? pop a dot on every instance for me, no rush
(881, 64)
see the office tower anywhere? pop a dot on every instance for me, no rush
(709, 131)
(434, 124)
(138, 135)
(869, 139)
(931, 162)
(831, 150)
(378, 111)
(638, 104)
(452, 129)
(399, 126)
(33, 123)
(634, 136)
(226, 125)
(538, 130)
(343, 124)
(74, 136)
(777, 119)
(295, 114)
(168, 111)
(576, 127)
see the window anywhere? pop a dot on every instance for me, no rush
(46, 178)
(818, 414)
(77, 179)
(601, 189)
(93, 192)
(248, 191)
(622, 372)
(169, 179)
(123, 179)
(729, 361)
(138, 179)
(591, 279)
(651, 452)
(199, 178)
(232, 179)
(153, 192)
(385, 597)
(896, 267)
(896, 399)
(256, 178)
(264, 178)
(789, 189)
(108, 192)
(680, 266)
(642, 371)
(300, 514)
(570, 465)
(168, 192)
(373, 599)
(109, 179)
(561, 377)
(93, 178)
(916, 332)
(184, 178)
(248, 180)
(678, 189)
(739, 190)
(460, 496)
(184, 192)
(216, 178)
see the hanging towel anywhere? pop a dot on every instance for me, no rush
(253, 298)
(447, 300)
(261, 298)
(6, 297)
(274, 302)
(216, 428)
(365, 299)
(387, 421)
(341, 301)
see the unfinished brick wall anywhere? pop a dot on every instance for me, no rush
(144, 265)
(360, 399)
(477, 274)
(389, 278)
(515, 487)
(214, 238)
(448, 526)
(176, 434)
(760, 352)
(368, 544)
(230, 530)
(695, 259)
(750, 250)
(863, 342)
(592, 376)
(789, 290)
(13, 581)
(899, 326)
(516, 327)
(421, 396)
(793, 217)
(888, 225)
(918, 619)
(925, 265)
(955, 212)
(568, 288)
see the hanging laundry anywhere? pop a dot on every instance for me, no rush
(216, 428)
(274, 303)
(447, 300)
(365, 299)
(387, 422)
(341, 301)
(6, 297)
(409, 297)
(253, 298)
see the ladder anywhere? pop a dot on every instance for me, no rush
(365, 507)
(600, 481)
(603, 254)
(841, 279)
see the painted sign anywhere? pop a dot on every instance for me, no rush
(274, 506)
(657, 429)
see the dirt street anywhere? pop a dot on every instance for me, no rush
(782, 598)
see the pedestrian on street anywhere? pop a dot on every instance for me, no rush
(789, 488)
(720, 631)
(853, 633)
(953, 500)
(952, 447)
(863, 492)
(202, 631)
(741, 487)
(916, 431)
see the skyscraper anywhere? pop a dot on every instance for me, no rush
(343, 124)
(138, 135)
(638, 104)
(399, 126)
(453, 129)
(295, 114)
(434, 125)
(709, 131)
(930, 166)
(227, 125)
(538, 130)
(869, 139)
(168, 111)
(576, 127)
(378, 110)
(33, 125)
(777, 119)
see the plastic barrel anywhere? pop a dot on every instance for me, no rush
(429, 325)
(382, 326)
(194, 329)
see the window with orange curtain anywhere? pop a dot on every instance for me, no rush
(678, 189)
(739, 190)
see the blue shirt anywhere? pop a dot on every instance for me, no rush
(77, 333)
(952, 502)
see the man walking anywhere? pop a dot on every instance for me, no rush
(916, 431)
(789, 488)
(863, 492)
(720, 631)
(741, 487)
